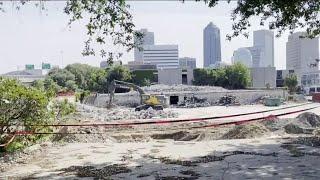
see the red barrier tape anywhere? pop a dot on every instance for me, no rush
(164, 121)
(269, 117)
(254, 119)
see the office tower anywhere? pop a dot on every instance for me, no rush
(163, 56)
(211, 45)
(146, 39)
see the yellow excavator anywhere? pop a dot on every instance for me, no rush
(157, 102)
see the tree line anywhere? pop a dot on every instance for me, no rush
(236, 76)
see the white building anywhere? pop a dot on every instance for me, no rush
(187, 63)
(146, 39)
(264, 39)
(263, 77)
(211, 45)
(163, 56)
(302, 53)
(242, 55)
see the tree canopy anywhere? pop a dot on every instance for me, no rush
(83, 77)
(236, 76)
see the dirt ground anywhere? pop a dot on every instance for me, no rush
(262, 150)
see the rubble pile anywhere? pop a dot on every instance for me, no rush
(228, 100)
(122, 113)
(181, 88)
(193, 102)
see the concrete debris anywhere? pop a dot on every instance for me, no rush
(122, 113)
(181, 88)
(193, 102)
(228, 100)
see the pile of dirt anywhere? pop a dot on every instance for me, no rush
(293, 129)
(251, 130)
(177, 136)
(305, 123)
(309, 119)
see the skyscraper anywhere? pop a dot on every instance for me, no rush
(264, 40)
(147, 39)
(211, 45)
(302, 54)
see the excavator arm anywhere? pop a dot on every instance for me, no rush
(117, 84)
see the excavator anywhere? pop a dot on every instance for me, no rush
(157, 102)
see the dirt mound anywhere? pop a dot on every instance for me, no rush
(177, 136)
(293, 129)
(309, 119)
(246, 131)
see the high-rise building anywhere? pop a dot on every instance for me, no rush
(146, 39)
(211, 45)
(163, 56)
(187, 63)
(263, 40)
(243, 55)
(303, 57)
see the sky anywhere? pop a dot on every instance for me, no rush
(33, 36)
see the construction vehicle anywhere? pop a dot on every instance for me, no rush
(157, 102)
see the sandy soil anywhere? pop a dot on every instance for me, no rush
(176, 152)
(261, 158)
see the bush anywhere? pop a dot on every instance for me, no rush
(21, 108)
(63, 108)
(291, 83)
(80, 96)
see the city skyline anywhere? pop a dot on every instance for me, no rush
(64, 46)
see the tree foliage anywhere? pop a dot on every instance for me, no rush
(107, 19)
(118, 72)
(21, 107)
(291, 83)
(280, 15)
(236, 76)
(82, 77)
